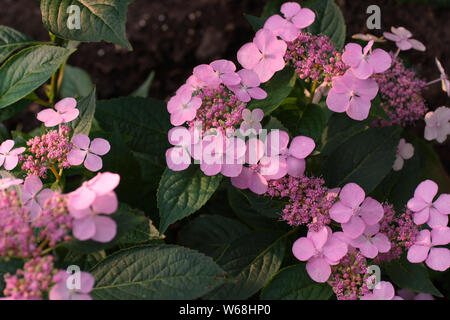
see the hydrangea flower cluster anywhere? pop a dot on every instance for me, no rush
(309, 200)
(315, 58)
(48, 151)
(401, 95)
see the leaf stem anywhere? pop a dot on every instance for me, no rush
(313, 91)
(55, 173)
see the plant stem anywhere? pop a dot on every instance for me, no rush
(60, 78)
(313, 91)
(433, 82)
(42, 102)
(55, 173)
(43, 244)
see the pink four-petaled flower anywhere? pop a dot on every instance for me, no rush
(65, 289)
(402, 38)
(33, 197)
(9, 157)
(321, 249)
(383, 291)
(183, 107)
(371, 242)
(265, 55)
(66, 111)
(354, 211)
(88, 151)
(424, 249)
(249, 87)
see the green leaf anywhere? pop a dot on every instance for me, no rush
(28, 70)
(99, 20)
(13, 109)
(251, 260)
(155, 273)
(11, 40)
(294, 283)
(82, 124)
(143, 233)
(431, 166)
(76, 83)
(127, 219)
(329, 21)
(212, 234)
(313, 122)
(256, 22)
(142, 91)
(272, 7)
(340, 129)
(182, 193)
(364, 159)
(10, 267)
(275, 124)
(411, 276)
(145, 121)
(377, 110)
(278, 89)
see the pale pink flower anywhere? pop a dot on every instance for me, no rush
(183, 107)
(265, 55)
(295, 18)
(352, 95)
(402, 38)
(88, 151)
(66, 111)
(193, 84)
(321, 249)
(365, 62)
(178, 158)
(33, 197)
(252, 121)
(65, 287)
(354, 211)
(424, 249)
(5, 183)
(102, 184)
(91, 223)
(437, 124)
(405, 151)
(221, 154)
(409, 295)
(383, 291)
(371, 242)
(249, 87)
(225, 70)
(425, 210)
(9, 157)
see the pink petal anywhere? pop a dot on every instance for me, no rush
(338, 102)
(11, 162)
(304, 18)
(258, 184)
(106, 204)
(371, 211)
(177, 159)
(33, 184)
(301, 147)
(257, 115)
(66, 104)
(100, 146)
(367, 89)
(84, 229)
(44, 195)
(417, 45)
(105, 229)
(303, 249)
(437, 219)
(87, 282)
(231, 170)
(340, 212)
(104, 182)
(81, 198)
(93, 162)
(391, 36)
(438, 259)
(352, 55)
(354, 228)
(442, 204)
(290, 9)
(17, 151)
(382, 242)
(440, 236)
(421, 217)
(364, 70)
(76, 157)
(181, 116)
(59, 292)
(318, 269)
(265, 69)
(82, 141)
(223, 66)
(210, 169)
(384, 291)
(359, 108)
(416, 204)
(50, 117)
(368, 249)
(249, 78)
(243, 180)
(81, 214)
(403, 44)
(352, 195)
(335, 249)
(426, 190)
(320, 237)
(249, 55)
(242, 94)
(276, 142)
(257, 93)
(255, 151)
(70, 115)
(295, 167)
(6, 146)
(417, 253)
(380, 60)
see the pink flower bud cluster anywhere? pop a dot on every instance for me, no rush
(314, 57)
(349, 278)
(400, 230)
(54, 221)
(309, 200)
(16, 233)
(401, 94)
(47, 150)
(220, 109)
(31, 282)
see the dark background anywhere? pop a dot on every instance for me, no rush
(172, 36)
